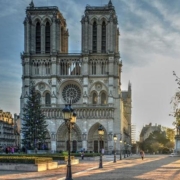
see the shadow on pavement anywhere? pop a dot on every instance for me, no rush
(132, 172)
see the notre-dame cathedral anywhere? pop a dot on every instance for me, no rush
(91, 80)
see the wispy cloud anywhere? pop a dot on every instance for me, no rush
(150, 34)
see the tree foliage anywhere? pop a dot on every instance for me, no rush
(170, 133)
(34, 127)
(170, 145)
(158, 138)
(176, 103)
(156, 146)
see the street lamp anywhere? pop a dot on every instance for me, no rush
(120, 141)
(115, 139)
(70, 119)
(124, 149)
(127, 150)
(101, 133)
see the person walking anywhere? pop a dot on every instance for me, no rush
(6, 150)
(82, 155)
(12, 150)
(142, 154)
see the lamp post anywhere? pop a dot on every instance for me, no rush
(70, 119)
(127, 150)
(101, 133)
(115, 139)
(120, 141)
(124, 149)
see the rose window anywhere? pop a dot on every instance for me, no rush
(71, 93)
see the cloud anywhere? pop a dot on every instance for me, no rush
(148, 36)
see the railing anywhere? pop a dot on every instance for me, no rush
(88, 112)
(43, 8)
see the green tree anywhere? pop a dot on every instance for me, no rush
(170, 145)
(34, 127)
(176, 104)
(156, 147)
(154, 137)
(159, 136)
(170, 133)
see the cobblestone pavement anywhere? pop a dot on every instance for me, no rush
(152, 168)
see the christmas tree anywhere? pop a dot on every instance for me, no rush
(34, 127)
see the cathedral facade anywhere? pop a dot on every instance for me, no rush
(90, 80)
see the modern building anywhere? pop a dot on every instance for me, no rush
(133, 134)
(90, 80)
(6, 129)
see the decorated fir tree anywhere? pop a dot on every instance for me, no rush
(34, 127)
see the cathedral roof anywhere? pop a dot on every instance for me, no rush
(108, 6)
(33, 8)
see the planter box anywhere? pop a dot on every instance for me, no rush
(38, 152)
(52, 165)
(91, 158)
(73, 161)
(18, 167)
(28, 167)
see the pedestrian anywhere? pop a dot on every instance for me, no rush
(12, 150)
(6, 150)
(142, 154)
(82, 155)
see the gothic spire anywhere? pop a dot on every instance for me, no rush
(110, 3)
(129, 85)
(129, 89)
(31, 4)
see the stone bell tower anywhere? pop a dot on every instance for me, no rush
(100, 33)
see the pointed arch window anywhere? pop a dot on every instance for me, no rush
(48, 68)
(94, 98)
(47, 99)
(67, 145)
(103, 98)
(38, 38)
(39, 97)
(74, 146)
(96, 146)
(36, 66)
(62, 39)
(103, 68)
(47, 38)
(93, 67)
(61, 68)
(103, 43)
(64, 68)
(94, 37)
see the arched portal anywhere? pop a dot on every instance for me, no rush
(95, 144)
(62, 138)
(46, 145)
(47, 141)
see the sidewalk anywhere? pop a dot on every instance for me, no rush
(127, 168)
(60, 172)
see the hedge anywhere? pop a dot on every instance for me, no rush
(24, 160)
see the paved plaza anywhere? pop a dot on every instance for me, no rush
(153, 167)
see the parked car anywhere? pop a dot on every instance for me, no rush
(173, 154)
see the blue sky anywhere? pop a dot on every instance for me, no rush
(149, 48)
